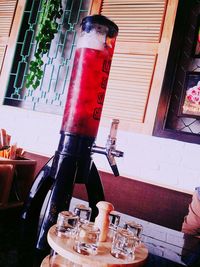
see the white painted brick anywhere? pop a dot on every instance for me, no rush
(169, 172)
(171, 153)
(168, 162)
(188, 179)
(191, 157)
(157, 234)
(179, 239)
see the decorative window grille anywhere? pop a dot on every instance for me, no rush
(51, 94)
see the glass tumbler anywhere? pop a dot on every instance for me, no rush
(114, 219)
(67, 223)
(83, 212)
(86, 240)
(124, 244)
(135, 228)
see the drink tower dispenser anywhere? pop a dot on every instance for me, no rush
(72, 163)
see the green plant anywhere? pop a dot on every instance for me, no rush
(47, 27)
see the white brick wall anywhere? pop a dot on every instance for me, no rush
(156, 160)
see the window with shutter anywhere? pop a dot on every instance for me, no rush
(145, 29)
(7, 9)
(11, 12)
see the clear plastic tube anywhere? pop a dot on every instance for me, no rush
(89, 77)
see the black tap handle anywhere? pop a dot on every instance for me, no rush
(113, 165)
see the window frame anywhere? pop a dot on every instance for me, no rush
(160, 129)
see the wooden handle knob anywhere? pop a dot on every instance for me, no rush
(102, 220)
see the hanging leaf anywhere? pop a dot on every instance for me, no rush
(47, 28)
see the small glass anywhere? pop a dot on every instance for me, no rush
(86, 240)
(134, 227)
(124, 244)
(67, 223)
(114, 219)
(83, 212)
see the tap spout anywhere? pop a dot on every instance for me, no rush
(110, 149)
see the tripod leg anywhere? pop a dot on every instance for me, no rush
(95, 190)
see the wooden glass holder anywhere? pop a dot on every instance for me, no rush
(64, 247)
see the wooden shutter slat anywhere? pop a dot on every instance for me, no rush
(135, 98)
(129, 87)
(133, 30)
(137, 39)
(136, 66)
(136, 19)
(127, 72)
(133, 17)
(129, 94)
(133, 57)
(132, 2)
(133, 80)
(139, 27)
(136, 2)
(137, 11)
(134, 12)
(120, 112)
(7, 9)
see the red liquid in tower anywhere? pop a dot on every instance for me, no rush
(86, 91)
